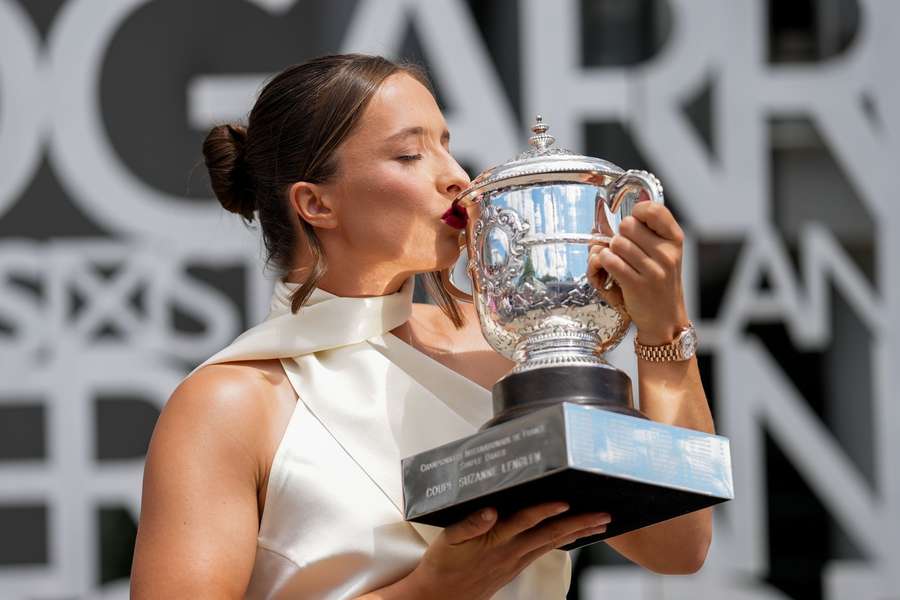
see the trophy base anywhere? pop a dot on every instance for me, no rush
(601, 385)
(596, 460)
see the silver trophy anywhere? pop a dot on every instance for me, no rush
(563, 416)
(532, 223)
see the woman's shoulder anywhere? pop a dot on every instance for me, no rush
(238, 377)
(241, 389)
(205, 476)
(247, 403)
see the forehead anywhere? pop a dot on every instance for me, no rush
(400, 102)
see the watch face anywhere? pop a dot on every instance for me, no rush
(688, 343)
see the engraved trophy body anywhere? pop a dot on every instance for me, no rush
(564, 426)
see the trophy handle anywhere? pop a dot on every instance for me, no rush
(447, 281)
(631, 187)
(625, 191)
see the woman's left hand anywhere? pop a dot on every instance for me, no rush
(645, 260)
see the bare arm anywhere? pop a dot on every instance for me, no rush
(645, 259)
(199, 513)
(671, 393)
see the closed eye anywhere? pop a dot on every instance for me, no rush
(409, 157)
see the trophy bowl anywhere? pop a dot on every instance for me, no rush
(532, 222)
(564, 427)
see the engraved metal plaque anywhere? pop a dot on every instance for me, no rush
(640, 471)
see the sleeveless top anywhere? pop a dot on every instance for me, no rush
(332, 525)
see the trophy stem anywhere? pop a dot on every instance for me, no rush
(600, 385)
(556, 348)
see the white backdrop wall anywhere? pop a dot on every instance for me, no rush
(775, 129)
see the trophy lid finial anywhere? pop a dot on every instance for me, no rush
(541, 140)
(543, 160)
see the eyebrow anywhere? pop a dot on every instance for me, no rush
(415, 131)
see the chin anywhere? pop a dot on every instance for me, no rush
(445, 253)
(448, 256)
(444, 260)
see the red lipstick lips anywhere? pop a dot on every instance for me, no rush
(455, 216)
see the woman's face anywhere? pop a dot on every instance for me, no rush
(395, 179)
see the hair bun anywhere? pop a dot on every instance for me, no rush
(223, 150)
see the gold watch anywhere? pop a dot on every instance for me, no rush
(683, 347)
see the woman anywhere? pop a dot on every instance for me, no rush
(272, 472)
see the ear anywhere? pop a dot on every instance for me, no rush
(310, 202)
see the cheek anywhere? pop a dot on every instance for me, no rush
(392, 208)
(403, 192)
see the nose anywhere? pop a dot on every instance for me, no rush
(453, 178)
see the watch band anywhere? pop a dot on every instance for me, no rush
(675, 350)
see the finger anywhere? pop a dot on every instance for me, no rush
(579, 535)
(615, 266)
(472, 526)
(597, 247)
(660, 219)
(596, 274)
(654, 245)
(560, 542)
(636, 257)
(550, 533)
(528, 518)
(596, 269)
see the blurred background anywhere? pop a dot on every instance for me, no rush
(774, 125)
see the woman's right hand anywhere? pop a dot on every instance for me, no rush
(479, 555)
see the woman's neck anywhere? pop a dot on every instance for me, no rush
(353, 284)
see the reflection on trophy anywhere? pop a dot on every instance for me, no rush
(564, 427)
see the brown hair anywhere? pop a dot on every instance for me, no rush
(301, 117)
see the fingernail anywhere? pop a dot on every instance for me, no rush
(487, 514)
(601, 520)
(561, 509)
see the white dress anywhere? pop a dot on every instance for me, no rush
(332, 525)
